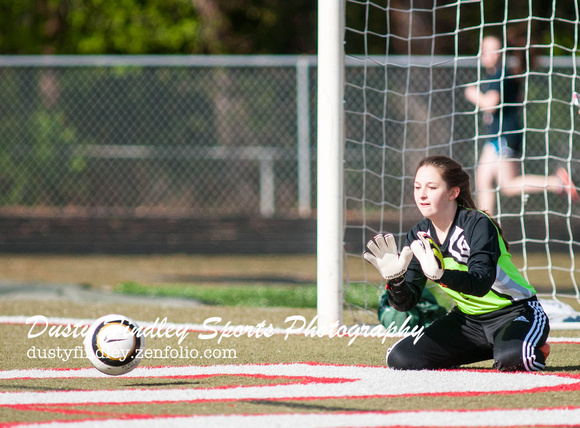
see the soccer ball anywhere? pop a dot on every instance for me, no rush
(114, 344)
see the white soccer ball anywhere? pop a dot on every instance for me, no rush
(114, 344)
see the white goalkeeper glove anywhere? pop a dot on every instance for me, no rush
(383, 255)
(429, 256)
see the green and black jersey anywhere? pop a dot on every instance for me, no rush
(479, 274)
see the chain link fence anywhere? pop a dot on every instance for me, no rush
(188, 136)
(234, 137)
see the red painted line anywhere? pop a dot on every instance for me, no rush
(558, 388)
(282, 415)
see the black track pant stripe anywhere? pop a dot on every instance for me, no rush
(534, 335)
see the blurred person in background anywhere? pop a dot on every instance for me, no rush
(499, 166)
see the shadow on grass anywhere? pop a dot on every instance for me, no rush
(562, 369)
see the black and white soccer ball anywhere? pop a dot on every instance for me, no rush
(114, 344)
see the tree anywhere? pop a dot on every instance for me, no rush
(98, 26)
(157, 26)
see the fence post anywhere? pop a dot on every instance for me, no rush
(267, 193)
(303, 133)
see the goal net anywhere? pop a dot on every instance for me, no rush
(406, 71)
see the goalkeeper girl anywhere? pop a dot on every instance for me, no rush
(497, 315)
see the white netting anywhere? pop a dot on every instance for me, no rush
(408, 66)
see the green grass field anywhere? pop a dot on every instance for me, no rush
(191, 398)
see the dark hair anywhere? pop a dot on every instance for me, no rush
(453, 175)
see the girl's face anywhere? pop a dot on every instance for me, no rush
(490, 52)
(432, 195)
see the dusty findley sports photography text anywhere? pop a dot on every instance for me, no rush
(211, 329)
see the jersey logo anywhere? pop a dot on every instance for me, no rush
(458, 246)
(521, 318)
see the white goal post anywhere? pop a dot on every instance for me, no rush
(379, 113)
(330, 149)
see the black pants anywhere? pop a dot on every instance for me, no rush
(511, 336)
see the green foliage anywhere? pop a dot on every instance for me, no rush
(130, 27)
(266, 26)
(37, 165)
(20, 27)
(98, 27)
(157, 27)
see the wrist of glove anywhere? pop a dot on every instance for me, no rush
(396, 283)
(382, 254)
(429, 255)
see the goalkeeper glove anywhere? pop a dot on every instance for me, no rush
(429, 256)
(383, 255)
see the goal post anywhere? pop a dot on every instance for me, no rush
(392, 77)
(330, 142)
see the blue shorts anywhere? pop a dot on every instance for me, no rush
(501, 147)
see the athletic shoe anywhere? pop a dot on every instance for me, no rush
(545, 348)
(568, 185)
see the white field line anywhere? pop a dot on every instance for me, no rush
(436, 418)
(565, 325)
(345, 381)
(211, 328)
